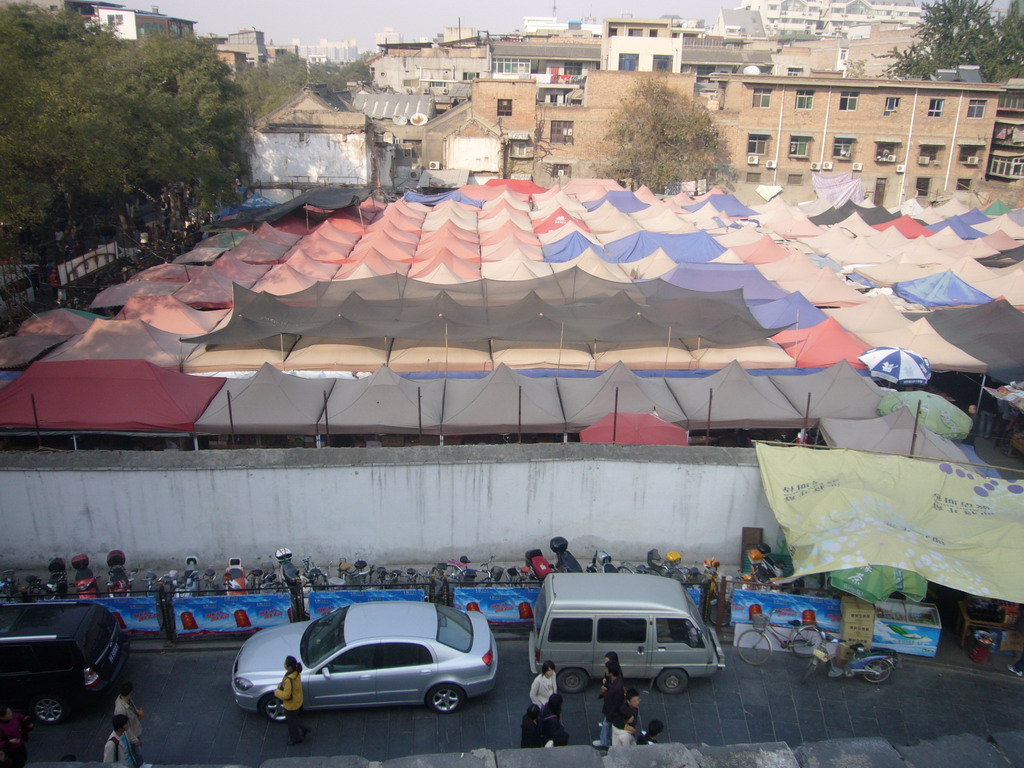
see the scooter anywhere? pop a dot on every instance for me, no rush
(234, 577)
(538, 564)
(565, 561)
(875, 666)
(9, 591)
(57, 585)
(602, 563)
(190, 578)
(683, 573)
(119, 580)
(85, 580)
(289, 573)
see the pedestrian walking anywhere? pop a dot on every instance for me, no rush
(544, 684)
(652, 734)
(614, 696)
(551, 727)
(117, 748)
(626, 721)
(124, 704)
(14, 730)
(290, 694)
(531, 735)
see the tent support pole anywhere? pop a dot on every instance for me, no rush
(615, 417)
(231, 420)
(74, 442)
(520, 422)
(195, 442)
(327, 423)
(668, 345)
(807, 419)
(981, 390)
(35, 418)
(917, 418)
(419, 410)
(561, 336)
(707, 429)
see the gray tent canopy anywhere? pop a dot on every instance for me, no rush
(740, 400)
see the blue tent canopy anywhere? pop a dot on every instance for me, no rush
(440, 197)
(726, 277)
(793, 310)
(943, 289)
(726, 204)
(973, 216)
(688, 247)
(962, 229)
(569, 247)
(624, 200)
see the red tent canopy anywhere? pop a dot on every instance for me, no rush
(523, 186)
(822, 345)
(906, 226)
(106, 396)
(634, 429)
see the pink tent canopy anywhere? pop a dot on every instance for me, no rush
(822, 345)
(211, 290)
(167, 313)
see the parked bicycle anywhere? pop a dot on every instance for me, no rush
(875, 666)
(755, 646)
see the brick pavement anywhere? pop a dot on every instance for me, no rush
(191, 717)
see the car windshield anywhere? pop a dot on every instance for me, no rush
(322, 637)
(454, 628)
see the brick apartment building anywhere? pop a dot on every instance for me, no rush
(925, 139)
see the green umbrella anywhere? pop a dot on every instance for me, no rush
(937, 414)
(877, 582)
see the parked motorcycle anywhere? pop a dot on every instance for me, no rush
(289, 573)
(538, 564)
(353, 573)
(191, 580)
(875, 666)
(56, 586)
(234, 577)
(85, 580)
(565, 561)
(602, 563)
(119, 579)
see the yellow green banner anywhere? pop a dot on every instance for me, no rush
(845, 509)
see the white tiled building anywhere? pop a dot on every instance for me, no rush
(829, 17)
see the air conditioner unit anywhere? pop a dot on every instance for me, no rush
(901, 169)
(815, 166)
(924, 160)
(434, 165)
(826, 166)
(753, 159)
(770, 164)
(972, 160)
(890, 158)
(857, 166)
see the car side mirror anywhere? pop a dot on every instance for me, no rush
(326, 672)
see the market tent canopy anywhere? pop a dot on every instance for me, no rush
(837, 391)
(943, 289)
(19, 351)
(270, 403)
(105, 396)
(733, 398)
(892, 433)
(585, 401)
(845, 509)
(634, 429)
(992, 333)
(122, 340)
(56, 322)
(502, 402)
(386, 403)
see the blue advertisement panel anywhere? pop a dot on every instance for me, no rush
(784, 607)
(134, 615)
(323, 602)
(230, 614)
(912, 639)
(499, 605)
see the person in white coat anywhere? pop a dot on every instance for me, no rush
(544, 684)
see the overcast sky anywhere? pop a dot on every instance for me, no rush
(311, 20)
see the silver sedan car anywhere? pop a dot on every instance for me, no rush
(372, 654)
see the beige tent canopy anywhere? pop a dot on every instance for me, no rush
(892, 433)
(502, 402)
(734, 399)
(838, 391)
(385, 403)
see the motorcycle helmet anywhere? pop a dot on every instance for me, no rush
(673, 557)
(115, 557)
(755, 555)
(764, 549)
(559, 544)
(81, 562)
(712, 563)
(283, 555)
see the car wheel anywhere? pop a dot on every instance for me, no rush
(672, 681)
(573, 680)
(445, 698)
(271, 708)
(49, 708)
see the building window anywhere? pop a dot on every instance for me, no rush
(966, 153)
(976, 108)
(512, 66)
(504, 107)
(561, 131)
(613, 31)
(753, 177)
(629, 62)
(964, 185)
(574, 68)
(805, 99)
(1011, 100)
(519, 148)
(842, 147)
(635, 33)
(1007, 167)
(436, 84)
(885, 152)
(935, 107)
(662, 63)
(762, 98)
(115, 19)
(794, 71)
(923, 185)
(652, 33)
(799, 146)
(757, 143)
(470, 75)
(929, 153)
(794, 179)
(411, 149)
(892, 105)
(560, 170)
(848, 101)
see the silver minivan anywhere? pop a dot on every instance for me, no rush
(649, 621)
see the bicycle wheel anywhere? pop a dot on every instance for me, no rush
(878, 671)
(754, 646)
(804, 641)
(811, 666)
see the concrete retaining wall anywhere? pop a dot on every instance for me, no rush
(388, 505)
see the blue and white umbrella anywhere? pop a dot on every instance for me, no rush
(897, 365)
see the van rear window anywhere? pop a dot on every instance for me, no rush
(97, 637)
(571, 631)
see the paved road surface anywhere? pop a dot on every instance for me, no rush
(191, 717)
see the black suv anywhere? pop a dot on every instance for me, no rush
(54, 655)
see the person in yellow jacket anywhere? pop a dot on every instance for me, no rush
(290, 694)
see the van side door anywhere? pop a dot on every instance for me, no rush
(569, 642)
(628, 637)
(679, 643)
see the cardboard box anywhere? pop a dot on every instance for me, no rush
(1012, 641)
(858, 622)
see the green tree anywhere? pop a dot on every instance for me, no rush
(357, 71)
(954, 32)
(661, 136)
(270, 86)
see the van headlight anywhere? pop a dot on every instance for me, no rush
(243, 683)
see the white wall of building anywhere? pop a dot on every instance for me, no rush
(336, 158)
(472, 153)
(399, 506)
